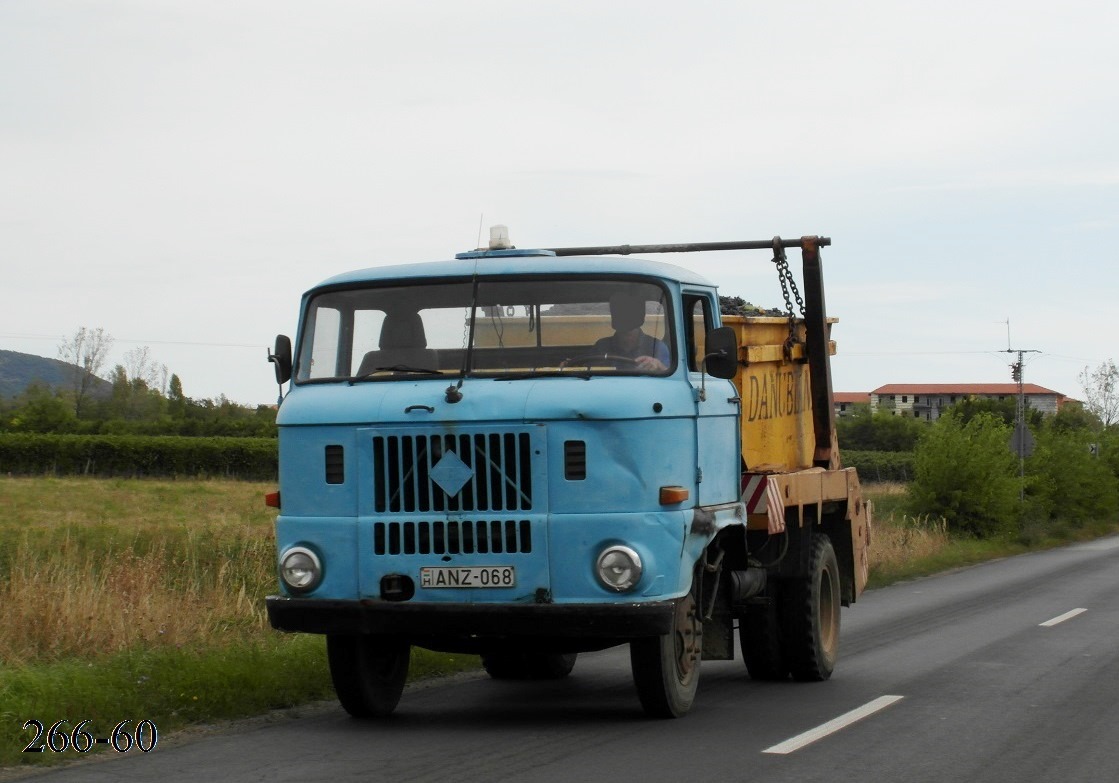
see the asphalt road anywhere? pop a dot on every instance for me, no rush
(952, 678)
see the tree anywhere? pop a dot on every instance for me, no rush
(177, 401)
(39, 409)
(965, 473)
(1101, 391)
(120, 399)
(140, 366)
(1073, 417)
(1006, 409)
(86, 351)
(137, 389)
(1068, 482)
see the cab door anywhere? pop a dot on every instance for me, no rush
(717, 407)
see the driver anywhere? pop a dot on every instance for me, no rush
(627, 314)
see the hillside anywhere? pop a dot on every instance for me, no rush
(20, 370)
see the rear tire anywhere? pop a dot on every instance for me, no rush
(810, 615)
(368, 672)
(666, 668)
(528, 665)
(759, 633)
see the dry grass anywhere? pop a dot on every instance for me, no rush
(898, 541)
(92, 567)
(144, 599)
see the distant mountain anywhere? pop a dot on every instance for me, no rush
(20, 370)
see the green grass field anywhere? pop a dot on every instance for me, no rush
(138, 599)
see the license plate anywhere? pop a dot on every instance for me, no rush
(469, 576)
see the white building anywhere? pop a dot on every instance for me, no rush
(927, 400)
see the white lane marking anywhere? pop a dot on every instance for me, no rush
(1062, 618)
(832, 726)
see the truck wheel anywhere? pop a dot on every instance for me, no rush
(810, 615)
(368, 672)
(760, 637)
(528, 665)
(666, 668)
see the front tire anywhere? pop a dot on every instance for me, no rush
(810, 616)
(368, 672)
(666, 668)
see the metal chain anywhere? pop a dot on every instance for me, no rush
(785, 276)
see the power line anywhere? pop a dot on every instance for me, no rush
(59, 338)
(916, 353)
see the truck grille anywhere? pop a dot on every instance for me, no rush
(452, 472)
(452, 538)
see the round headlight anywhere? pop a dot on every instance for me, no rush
(300, 569)
(619, 568)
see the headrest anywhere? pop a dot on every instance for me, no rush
(403, 330)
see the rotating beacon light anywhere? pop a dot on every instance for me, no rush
(499, 238)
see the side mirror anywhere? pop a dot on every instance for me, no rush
(721, 360)
(280, 356)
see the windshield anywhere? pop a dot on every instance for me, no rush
(522, 328)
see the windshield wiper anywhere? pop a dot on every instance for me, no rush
(453, 392)
(586, 376)
(396, 368)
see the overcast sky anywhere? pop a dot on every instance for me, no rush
(178, 172)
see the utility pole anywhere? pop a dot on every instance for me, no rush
(1022, 441)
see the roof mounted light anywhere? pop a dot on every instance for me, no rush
(499, 238)
(501, 247)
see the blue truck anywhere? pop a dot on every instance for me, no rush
(530, 454)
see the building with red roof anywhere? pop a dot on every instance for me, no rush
(845, 401)
(927, 400)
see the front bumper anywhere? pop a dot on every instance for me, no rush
(497, 621)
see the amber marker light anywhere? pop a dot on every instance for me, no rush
(272, 499)
(671, 495)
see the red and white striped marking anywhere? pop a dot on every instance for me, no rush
(753, 492)
(762, 495)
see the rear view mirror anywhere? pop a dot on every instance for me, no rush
(280, 356)
(721, 360)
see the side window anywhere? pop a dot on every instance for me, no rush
(322, 349)
(698, 321)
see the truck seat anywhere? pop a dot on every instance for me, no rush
(402, 342)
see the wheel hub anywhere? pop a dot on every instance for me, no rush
(689, 637)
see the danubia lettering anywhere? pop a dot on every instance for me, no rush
(778, 393)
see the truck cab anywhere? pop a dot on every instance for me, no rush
(514, 453)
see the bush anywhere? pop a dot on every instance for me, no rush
(138, 456)
(966, 473)
(1069, 483)
(879, 465)
(882, 431)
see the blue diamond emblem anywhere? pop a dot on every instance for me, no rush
(450, 473)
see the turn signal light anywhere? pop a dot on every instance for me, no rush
(671, 495)
(272, 499)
